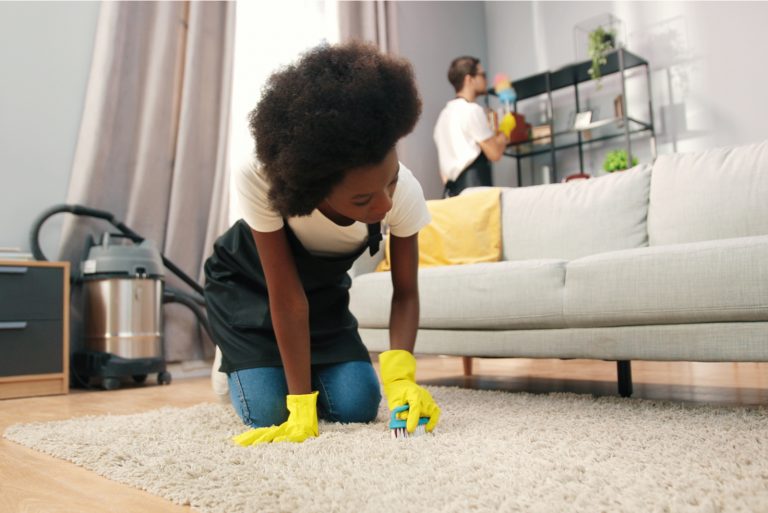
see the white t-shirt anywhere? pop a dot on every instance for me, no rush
(318, 234)
(459, 128)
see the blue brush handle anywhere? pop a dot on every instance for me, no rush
(395, 423)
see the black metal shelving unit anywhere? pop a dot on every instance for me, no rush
(618, 61)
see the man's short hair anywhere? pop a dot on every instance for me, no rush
(460, 68)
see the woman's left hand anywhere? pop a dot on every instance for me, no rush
(398, 375)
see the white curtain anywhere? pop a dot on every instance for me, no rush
(374, 21)
(152, 147)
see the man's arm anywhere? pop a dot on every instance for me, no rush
(493, 147)
(289, 307)
(404, 316)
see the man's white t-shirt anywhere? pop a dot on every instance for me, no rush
(318, 234)
(460, 127)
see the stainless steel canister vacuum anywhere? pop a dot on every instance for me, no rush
(123, 288)
(121, 292)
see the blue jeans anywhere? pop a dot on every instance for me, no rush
(349, 392)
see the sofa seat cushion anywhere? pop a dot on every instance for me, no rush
(711, 281)
(499, 295)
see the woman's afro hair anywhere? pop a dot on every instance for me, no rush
(338, 108)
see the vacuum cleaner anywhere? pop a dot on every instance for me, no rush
(121, 291)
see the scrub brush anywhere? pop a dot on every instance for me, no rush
(397, 426)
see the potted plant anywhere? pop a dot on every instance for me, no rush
(600, 42)
(616, 160)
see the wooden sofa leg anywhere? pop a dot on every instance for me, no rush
(467, 361)
(624, 369)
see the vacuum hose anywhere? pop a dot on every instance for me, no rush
(80, 210)
(171, 295)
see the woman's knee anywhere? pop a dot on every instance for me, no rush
(349, 392)
(362, 408)
(258, 399)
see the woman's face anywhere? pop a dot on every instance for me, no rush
(365, 194)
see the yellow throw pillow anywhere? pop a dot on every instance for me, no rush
(465, 229)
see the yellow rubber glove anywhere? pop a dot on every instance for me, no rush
(508, 123)
(398, 375)
(301, 423)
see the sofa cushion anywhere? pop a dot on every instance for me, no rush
(465, 229)
(578, 218)
(500, 295)
(712, 281)
(715, 194)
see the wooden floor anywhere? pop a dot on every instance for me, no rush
(33, 482)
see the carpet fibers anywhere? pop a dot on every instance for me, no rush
(493, 451)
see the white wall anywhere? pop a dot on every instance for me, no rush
(45, 57)
(706, 61)
(431, 35)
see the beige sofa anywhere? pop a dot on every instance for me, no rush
(661, 262)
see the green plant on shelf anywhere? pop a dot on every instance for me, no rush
(600, 42)
(616, 160)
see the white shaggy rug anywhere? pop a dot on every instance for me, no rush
(493, 451)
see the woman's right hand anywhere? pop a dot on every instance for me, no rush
(301, 424)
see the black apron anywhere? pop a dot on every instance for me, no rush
(477, 174)
(237, 302)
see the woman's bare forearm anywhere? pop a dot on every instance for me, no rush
(291, 323)
(289, 308)
(404, 321)
(404, 315)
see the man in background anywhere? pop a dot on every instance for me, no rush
(464, 137)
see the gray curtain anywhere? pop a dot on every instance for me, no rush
(374, 21)
(153, 141)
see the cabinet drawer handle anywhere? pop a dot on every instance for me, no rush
(13, 325)
(13, 269)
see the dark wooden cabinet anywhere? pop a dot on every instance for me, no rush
(34, 328)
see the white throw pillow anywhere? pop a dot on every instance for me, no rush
(708, 195)
(578, 218)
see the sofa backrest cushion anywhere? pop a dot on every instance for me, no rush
(714, 194)
(578, 218)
